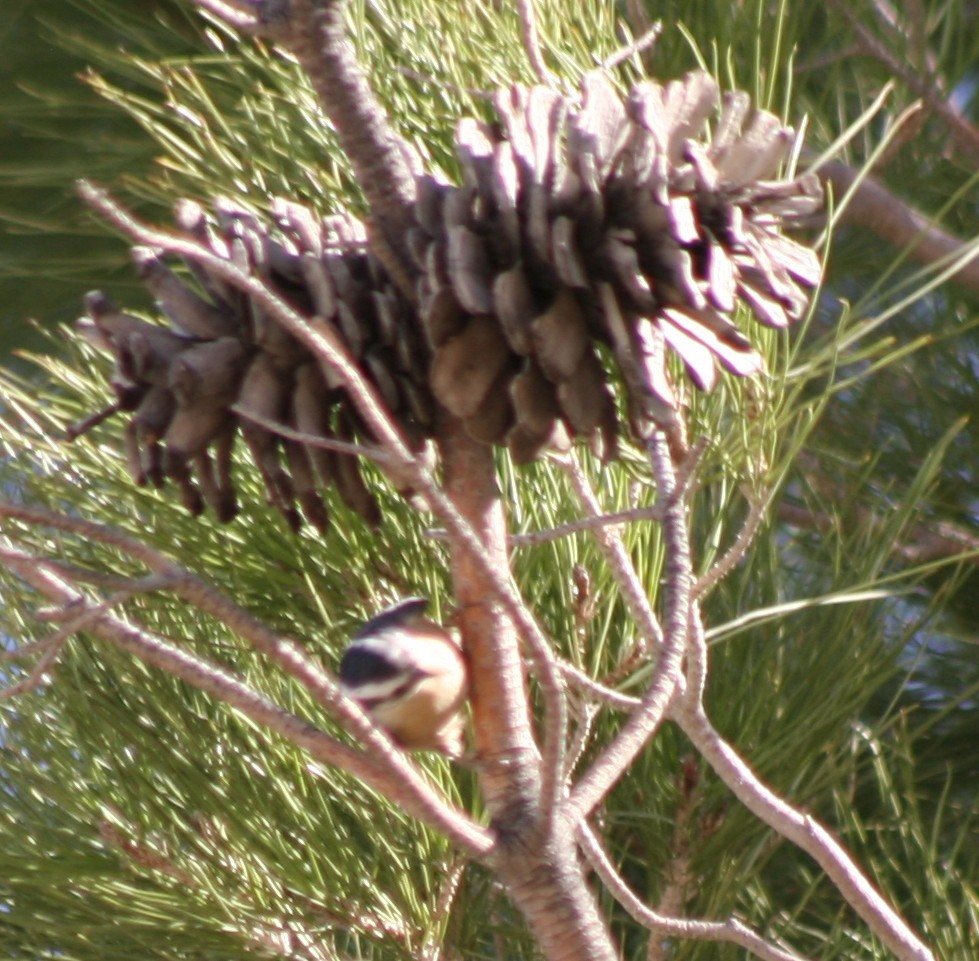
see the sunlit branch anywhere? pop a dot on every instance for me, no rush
(732, 931)
(802, 829)
(736, 552)
(667, 677)
(596, 689)
(404, 786)
(616, 556)
(531, 41)
(326, 347)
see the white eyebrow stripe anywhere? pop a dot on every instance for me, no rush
(377, 690)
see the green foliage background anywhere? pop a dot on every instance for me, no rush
(137, 817)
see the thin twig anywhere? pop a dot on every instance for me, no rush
(964, 133)
(54, 644)
(326, 346)
(286, 653)
(913, 37)
(432, 949)
(616, 556)
(678, 878)
(427, 78)
(76, 430)
(288, 940)
(801, 829)
(667, 677)
(376, 454)
(585, 715)
(732, 931)
(639, 45)
(734, 554)
(652, 512)
(82, 575)
(531, 41)
(28, 650)
(403, 785)
(585, 682)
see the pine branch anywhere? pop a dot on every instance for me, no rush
(314, 30)
(386, 768)
(617, 557)
(800, 828)
(731, 931)
(531, 42)
(965, 135)
(736, 552)
(643, 723)
(875, 208)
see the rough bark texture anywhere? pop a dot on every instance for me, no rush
(545, 879)
(317, 36)
(542, 874)
(509, 760)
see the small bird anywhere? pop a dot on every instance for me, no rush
(410, 676)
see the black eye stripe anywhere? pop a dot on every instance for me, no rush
(400, 691)
(360, 666)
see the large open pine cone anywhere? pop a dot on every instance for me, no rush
(581, 224)
(223, 350)
(586, 221)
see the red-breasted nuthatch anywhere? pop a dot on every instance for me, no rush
(409, 674)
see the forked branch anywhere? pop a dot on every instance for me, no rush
(385, 768)
(732, 930)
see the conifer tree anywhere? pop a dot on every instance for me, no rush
(548, 357)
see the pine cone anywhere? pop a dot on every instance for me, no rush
(588, 233)
(223, 351)
(587, 222)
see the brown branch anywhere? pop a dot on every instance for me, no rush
(679, 879)
(510, 766)
(873, 207)
(596, 689)
(964, 133)
(585, 715)
(433, 947)
(652, 512)
(52, 648)
(640, 45)
(736, 552)
(73, 623)
(289, 938)
(390, 771)
(612, 763)
(616, 556)
(531, 41)
(315, 32)
(376, 454)
(802, 830)
(731, 931)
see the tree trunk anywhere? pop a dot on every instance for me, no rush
(542, 874)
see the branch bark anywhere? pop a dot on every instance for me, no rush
(315, 31)
(387, 770)
(804, 831)
(612, 763)
(875, 208)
